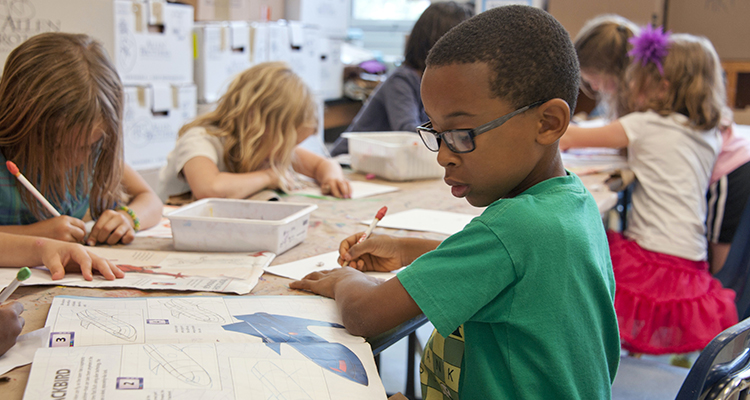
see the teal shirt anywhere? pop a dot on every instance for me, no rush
(13, 211)
(531, 281)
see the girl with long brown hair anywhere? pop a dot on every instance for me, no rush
(61, 107)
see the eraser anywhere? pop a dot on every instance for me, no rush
(12, 167)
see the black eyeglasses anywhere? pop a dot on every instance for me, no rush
(462, 140)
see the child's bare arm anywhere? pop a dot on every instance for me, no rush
(65, 228)
(382, 252)
(611, 136)
(206, 180)
(325, 171)
(57, 256)
(115, 226)
(368, 306)
(11, 324)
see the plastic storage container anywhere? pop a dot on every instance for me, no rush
(239, 225)
(396, 156)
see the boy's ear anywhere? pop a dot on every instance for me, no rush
(554, 120)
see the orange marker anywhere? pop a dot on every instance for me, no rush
(14, 170)
(378, 217)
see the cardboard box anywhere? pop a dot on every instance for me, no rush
(724, 23)
(331, 69)
(237, 10)
(24, 19)
(222, 50)
(153, 42)
(152, 118)
(332, 16)
(572, 14)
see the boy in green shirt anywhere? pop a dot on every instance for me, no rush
(522, 297)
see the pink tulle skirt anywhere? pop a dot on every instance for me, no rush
(666, 304)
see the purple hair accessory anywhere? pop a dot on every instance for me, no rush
(652, 45)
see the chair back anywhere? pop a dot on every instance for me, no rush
(735, 274)
(723, 368)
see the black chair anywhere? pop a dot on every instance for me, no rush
(721, 371)
(735, 273)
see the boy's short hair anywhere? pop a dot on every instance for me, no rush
(530, 54)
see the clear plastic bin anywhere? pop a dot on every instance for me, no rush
(395, 156)
(239, 225)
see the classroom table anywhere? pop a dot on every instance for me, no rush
(329, 224)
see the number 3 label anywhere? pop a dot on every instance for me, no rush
(61, 339)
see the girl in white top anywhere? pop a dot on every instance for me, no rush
(249, 142)
(666, 300)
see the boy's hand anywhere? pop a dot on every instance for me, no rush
(336, 187)
(324, 282)
(59, 257)
(65, 228)
(11, 324)
(112, 227)
(377, 253)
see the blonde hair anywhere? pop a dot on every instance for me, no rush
(602, 47)
(695, 84)
(55, 91)
(258, 118)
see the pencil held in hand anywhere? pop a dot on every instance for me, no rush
(14, 170)
(378, 217)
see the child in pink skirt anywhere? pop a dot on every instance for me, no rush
(666, 299)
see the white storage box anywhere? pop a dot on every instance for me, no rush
(396, 156)
(239, 225)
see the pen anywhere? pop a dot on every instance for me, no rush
(378, 217)
(14, 170)
(22, 275)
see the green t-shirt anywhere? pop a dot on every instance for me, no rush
(531, 281)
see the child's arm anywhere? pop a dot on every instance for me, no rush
(612, 136)
(11, 324)
(115, 226)
(65, 228)
(205, 180)
(368, 306)
(325, 171)
(382, 252)
(19, 251)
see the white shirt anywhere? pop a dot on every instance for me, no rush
(672, 163)
(196, 142)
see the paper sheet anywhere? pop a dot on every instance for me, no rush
(587, 161)
(360, 189)
(211, 272)
(203, 347)
(418, 219)
(299, 269)
(23, 351)
(161, 230)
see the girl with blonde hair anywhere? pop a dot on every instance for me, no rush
(61, 106)
(249, 142)
(666, 300)
(602, 46)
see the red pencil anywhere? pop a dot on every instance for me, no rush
(14, 170)
(378, 217)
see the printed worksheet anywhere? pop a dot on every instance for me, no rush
(144, 269)
(207, 347)
(206, 371)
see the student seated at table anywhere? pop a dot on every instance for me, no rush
(603, 47)
(667, 301)
(522, 297)
(61, 105)
(57, 256)
(249, 142)
(396, 105)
